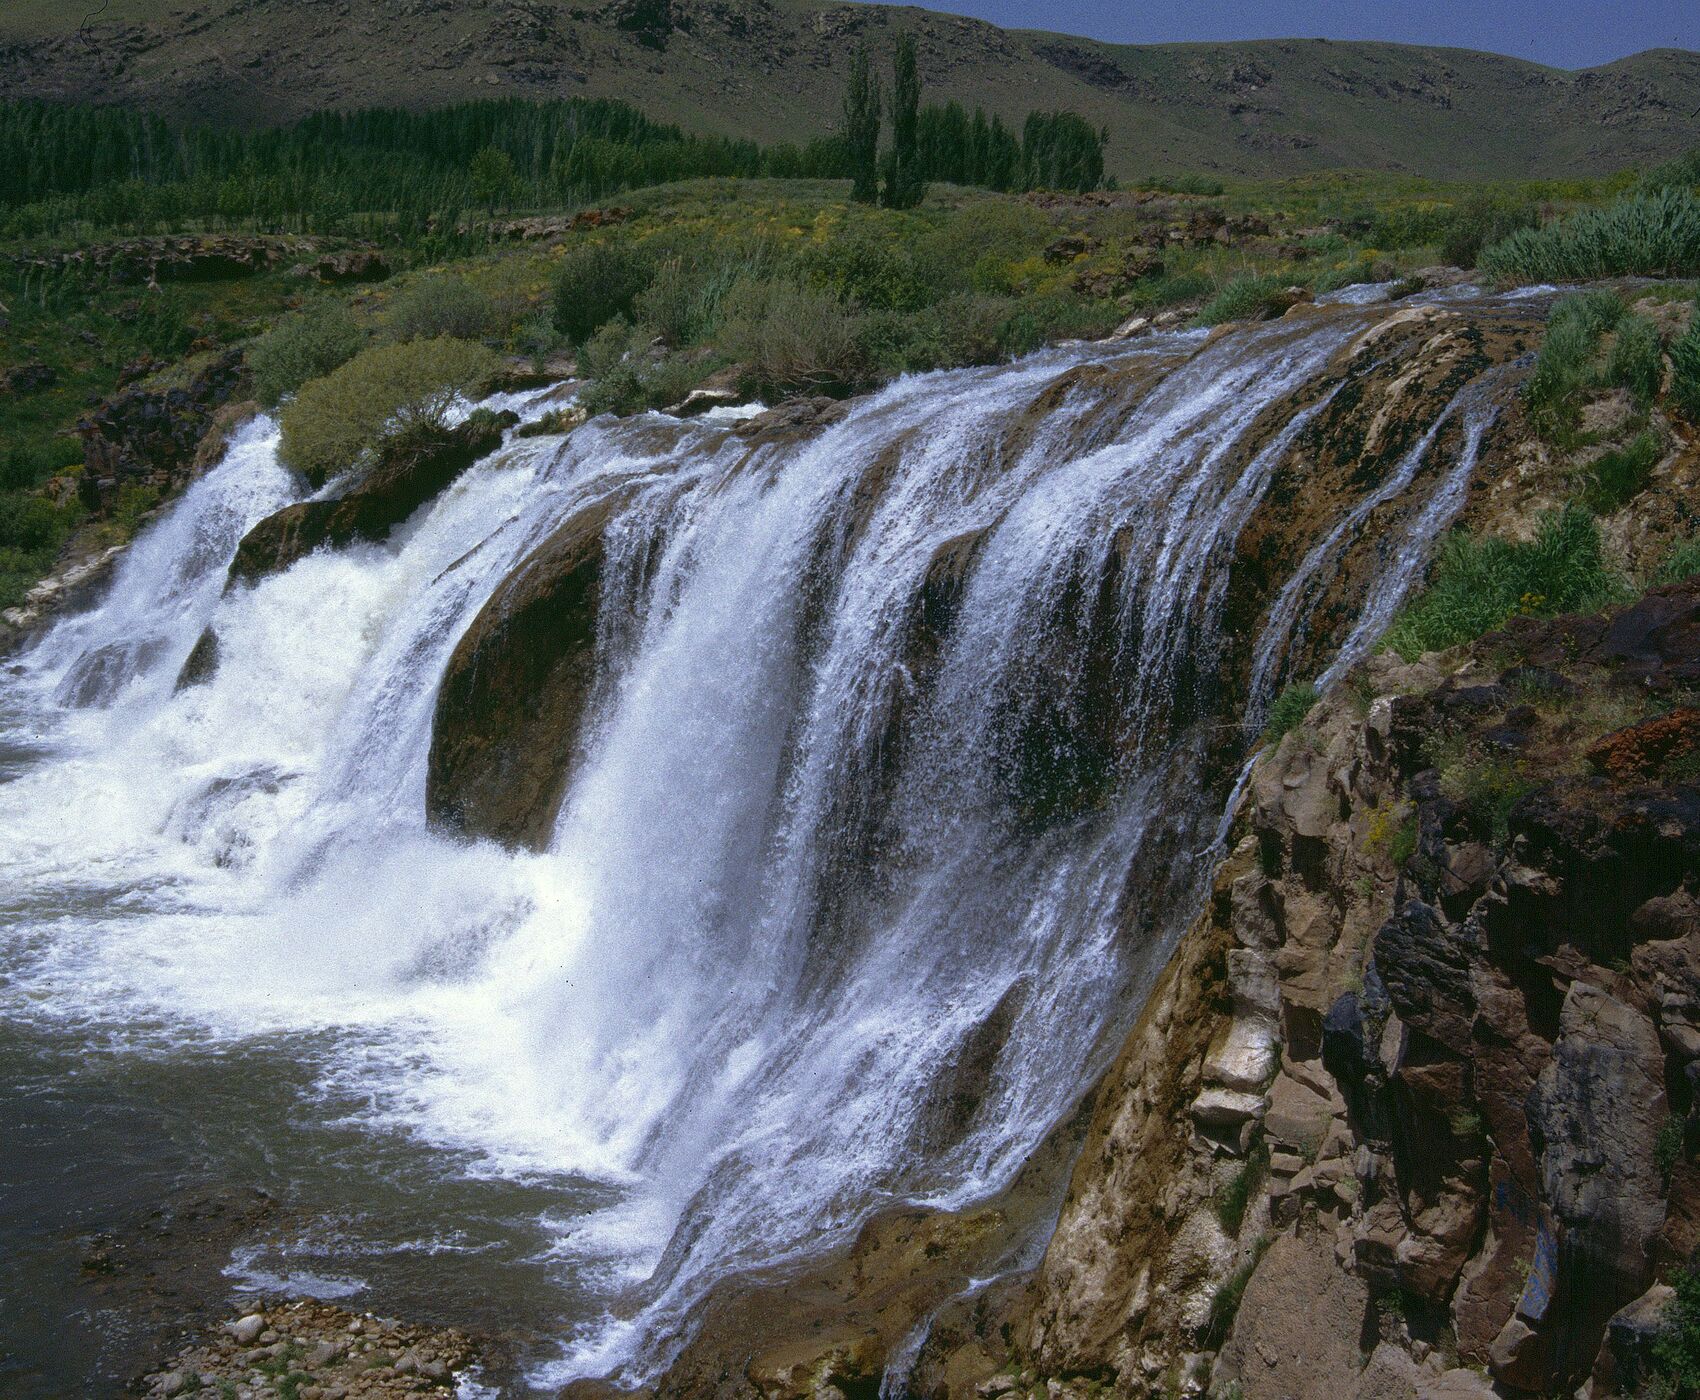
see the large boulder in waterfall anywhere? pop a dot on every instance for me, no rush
(410, 470)
(516, 690)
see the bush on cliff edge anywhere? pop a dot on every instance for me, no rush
(393, 387)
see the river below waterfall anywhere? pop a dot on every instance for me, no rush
(773, 969)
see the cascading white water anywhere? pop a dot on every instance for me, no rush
(737, 986)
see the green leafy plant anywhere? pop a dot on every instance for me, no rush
(334, 419)
(439, 306)
(301, 347)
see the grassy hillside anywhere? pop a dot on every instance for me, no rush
(773, 70)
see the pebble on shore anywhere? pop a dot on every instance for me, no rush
(314, 1351)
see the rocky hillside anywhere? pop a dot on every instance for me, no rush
(771, 69)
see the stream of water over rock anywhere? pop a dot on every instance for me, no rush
(774, 969)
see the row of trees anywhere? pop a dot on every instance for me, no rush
(1056, 150)
(338, 172)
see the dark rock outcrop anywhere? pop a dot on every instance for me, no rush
(410, 470)
(517, 689)
(342, 269)
(149, 438)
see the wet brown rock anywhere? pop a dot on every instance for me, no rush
(516, 691)
(410, 470)
(201, 662)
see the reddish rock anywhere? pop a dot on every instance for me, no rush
(1648, 749)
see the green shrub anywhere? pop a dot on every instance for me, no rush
(29, 522)
(966, 328)
(627, 374)
(23, 465)
(1676, 1352)
(1480, 221)
(1685, 370)
(439, 306)
(991, 233)
(1656, 234)
(879, 273)
(1682, 561)
(1288, 711)
(793, 339)
(302, 347)
(596, 283)
(1618, 476)
(1478, 584)
(1636, 361)
(332, 420)
(682, 302)
(1680, 173)
(1248, 297)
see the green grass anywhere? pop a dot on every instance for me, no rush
(1289, 710)
(1235, 1197)
(1225, 1304)
(1618, 476)
(1653, 234)
(1683, 561)
(1479, 583)
(1250, 297)
(1685, 370)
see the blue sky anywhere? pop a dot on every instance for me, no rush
(1564, 33)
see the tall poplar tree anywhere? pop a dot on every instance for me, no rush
(862, 127)
(904, 185)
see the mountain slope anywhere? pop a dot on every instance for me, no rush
(772, 69)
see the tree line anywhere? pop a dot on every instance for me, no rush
(1056, 150)
(405, 172)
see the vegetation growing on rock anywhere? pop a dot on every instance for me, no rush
(390, 388)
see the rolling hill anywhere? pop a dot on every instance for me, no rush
(772, 70)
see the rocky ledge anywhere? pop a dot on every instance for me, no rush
(1412, 1111)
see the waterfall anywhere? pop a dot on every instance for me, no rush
(824, 923)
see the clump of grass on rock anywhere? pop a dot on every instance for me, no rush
(1478, 584)
(334, 419)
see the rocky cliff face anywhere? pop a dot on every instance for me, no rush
(1413, 1106)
